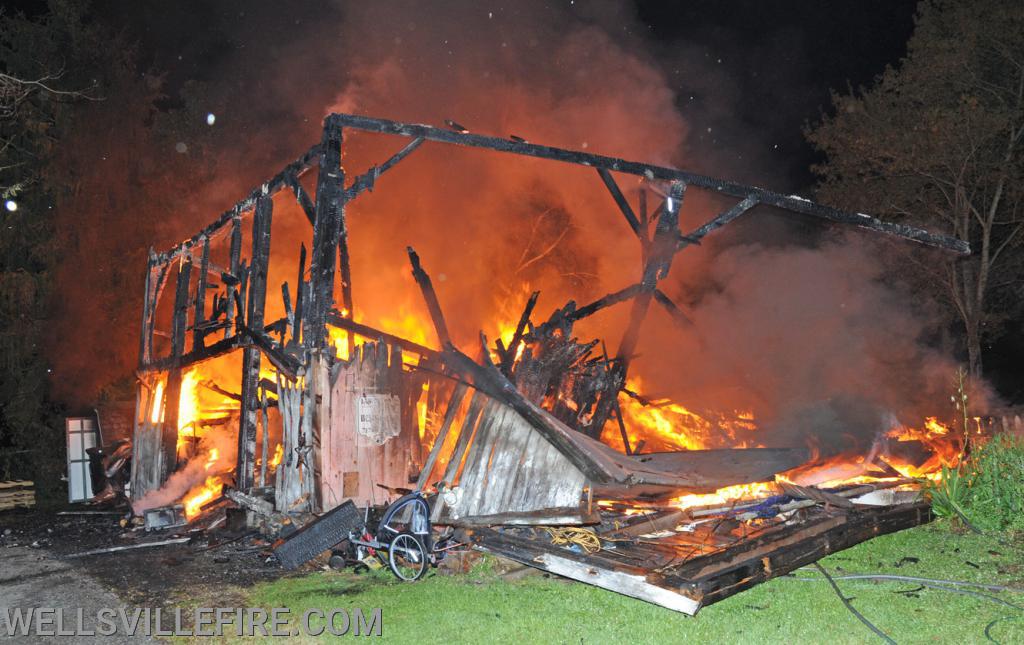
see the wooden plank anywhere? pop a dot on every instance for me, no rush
(430, 296)
(335, 319)
(629, 581)
(442, 434)
(724, 467)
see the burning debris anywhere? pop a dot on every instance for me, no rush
(297, 407)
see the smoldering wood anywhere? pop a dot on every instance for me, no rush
(815, 495)
(430, 296)
(651, 172)
(465, 436)
(254, 503)
(670, 572)
(257, 292)
(600, 463)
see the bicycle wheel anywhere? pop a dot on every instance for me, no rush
(406, 557)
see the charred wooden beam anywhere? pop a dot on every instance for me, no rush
(328, 231)
(261, 226)
(302, 197)
(430, 296)
(721, 220)
(289, 313)
(792, 203)
(673, 309)
(286, 364)
(179, 321)
(608, 300)
(509, 357)
(213, 387)
(148, 310)
(219, 348)
(366, 180)
(268, 188)
(232, 284)
(620, 201)
(658, 264)
(335, 318)
(728, 572)
(301, 297)
(199, 318)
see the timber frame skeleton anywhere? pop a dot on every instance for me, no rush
(236, 314)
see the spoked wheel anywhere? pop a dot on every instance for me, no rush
(407, 557)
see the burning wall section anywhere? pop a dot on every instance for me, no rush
(213, 368)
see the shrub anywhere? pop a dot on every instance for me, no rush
(988, 489)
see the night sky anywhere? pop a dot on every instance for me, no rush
(782, 58)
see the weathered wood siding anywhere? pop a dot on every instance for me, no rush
(511, 470)
(371, 436)
(147, 441)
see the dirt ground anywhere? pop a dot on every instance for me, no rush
(211, 566)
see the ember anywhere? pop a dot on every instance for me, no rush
(337, 404)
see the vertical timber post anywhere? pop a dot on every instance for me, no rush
(658, 261)
(172, 393)
(246, 466)
(198, 333)
(235, 260)
(148, 307)
(327, 232)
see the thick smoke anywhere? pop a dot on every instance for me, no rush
(194, 472)
(811, 339)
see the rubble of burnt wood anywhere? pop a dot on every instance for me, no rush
(516, 459)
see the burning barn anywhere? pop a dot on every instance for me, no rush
(260, 381)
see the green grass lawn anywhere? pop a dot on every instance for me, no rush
(481, 608)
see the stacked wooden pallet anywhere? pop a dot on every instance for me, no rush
(17, 493)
